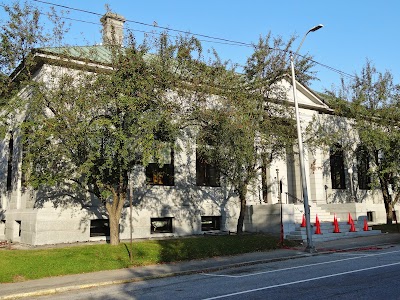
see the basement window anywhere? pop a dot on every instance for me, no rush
(99, 227)
(161, 225)
(18, 227)
(370, 216)
(210, 223)
(3, 227)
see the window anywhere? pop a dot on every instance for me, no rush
(264, 182)
(3, 227)
(157, 174)
(26, 141)
(99, 227)
(161, 225)
(337, 167)
(24, 175)
(370, 216)
(206, 173)
(364, 179)
(10, 163)
(17, 230)
(210, 223)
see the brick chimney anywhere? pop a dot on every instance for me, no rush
(113, 29)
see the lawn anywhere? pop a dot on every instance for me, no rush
(20, 265)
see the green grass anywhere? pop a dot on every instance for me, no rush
(20, 265)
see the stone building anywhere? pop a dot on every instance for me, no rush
(191, 200)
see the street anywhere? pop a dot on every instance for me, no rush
(365, 273)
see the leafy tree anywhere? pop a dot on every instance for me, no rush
(92, 131)
(370, 104)
(85, 128)
(87, 124)
(22, 32)
(251, 124)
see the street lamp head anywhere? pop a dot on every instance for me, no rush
(315, 28)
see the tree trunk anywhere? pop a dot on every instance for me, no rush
(114, 227)
(242, 198)
(114, 210)
(387, 199)
(389, 212)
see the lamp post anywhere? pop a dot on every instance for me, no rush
(279, 186)
(350, 171)
(310, 247)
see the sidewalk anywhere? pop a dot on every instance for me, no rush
(53, 285)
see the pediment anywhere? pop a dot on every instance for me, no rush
(305, 97)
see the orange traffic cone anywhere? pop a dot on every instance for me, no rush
(352, 227)
(336, 225)
(317, 225)
(366, 225)
(350, 219)
(303, 222)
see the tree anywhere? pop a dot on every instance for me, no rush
(370, 103)
(22, 32)
(85, 128)
(87, 125)
(251, 124)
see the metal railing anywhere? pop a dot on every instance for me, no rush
(293, 197)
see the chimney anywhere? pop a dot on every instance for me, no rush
(113, 27)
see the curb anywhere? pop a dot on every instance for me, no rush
(53, 291)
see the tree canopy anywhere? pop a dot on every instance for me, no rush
(370, 105)
(85, 122)
(252, 124)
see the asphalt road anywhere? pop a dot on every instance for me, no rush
(370, 273)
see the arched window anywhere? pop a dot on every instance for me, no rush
(337, 167)
(364, 179)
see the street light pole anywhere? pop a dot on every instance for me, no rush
(310, 247)
(350, 171)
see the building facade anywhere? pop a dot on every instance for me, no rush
(190, 197)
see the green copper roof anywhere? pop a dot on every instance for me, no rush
(98, 53)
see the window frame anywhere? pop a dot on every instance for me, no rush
(336, 161)
(168, 226)
(103, 227)
(162, 175)
(215, 222)
(207, 174)
(363, 161)
(10, 162)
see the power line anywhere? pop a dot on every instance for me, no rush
(217, 40)
(334, 70)
(149, 25)
(226, 43)
(82, 21)
(152, 32)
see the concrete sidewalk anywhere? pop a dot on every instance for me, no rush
(53, 285)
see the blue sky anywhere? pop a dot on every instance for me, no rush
(353, 30)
